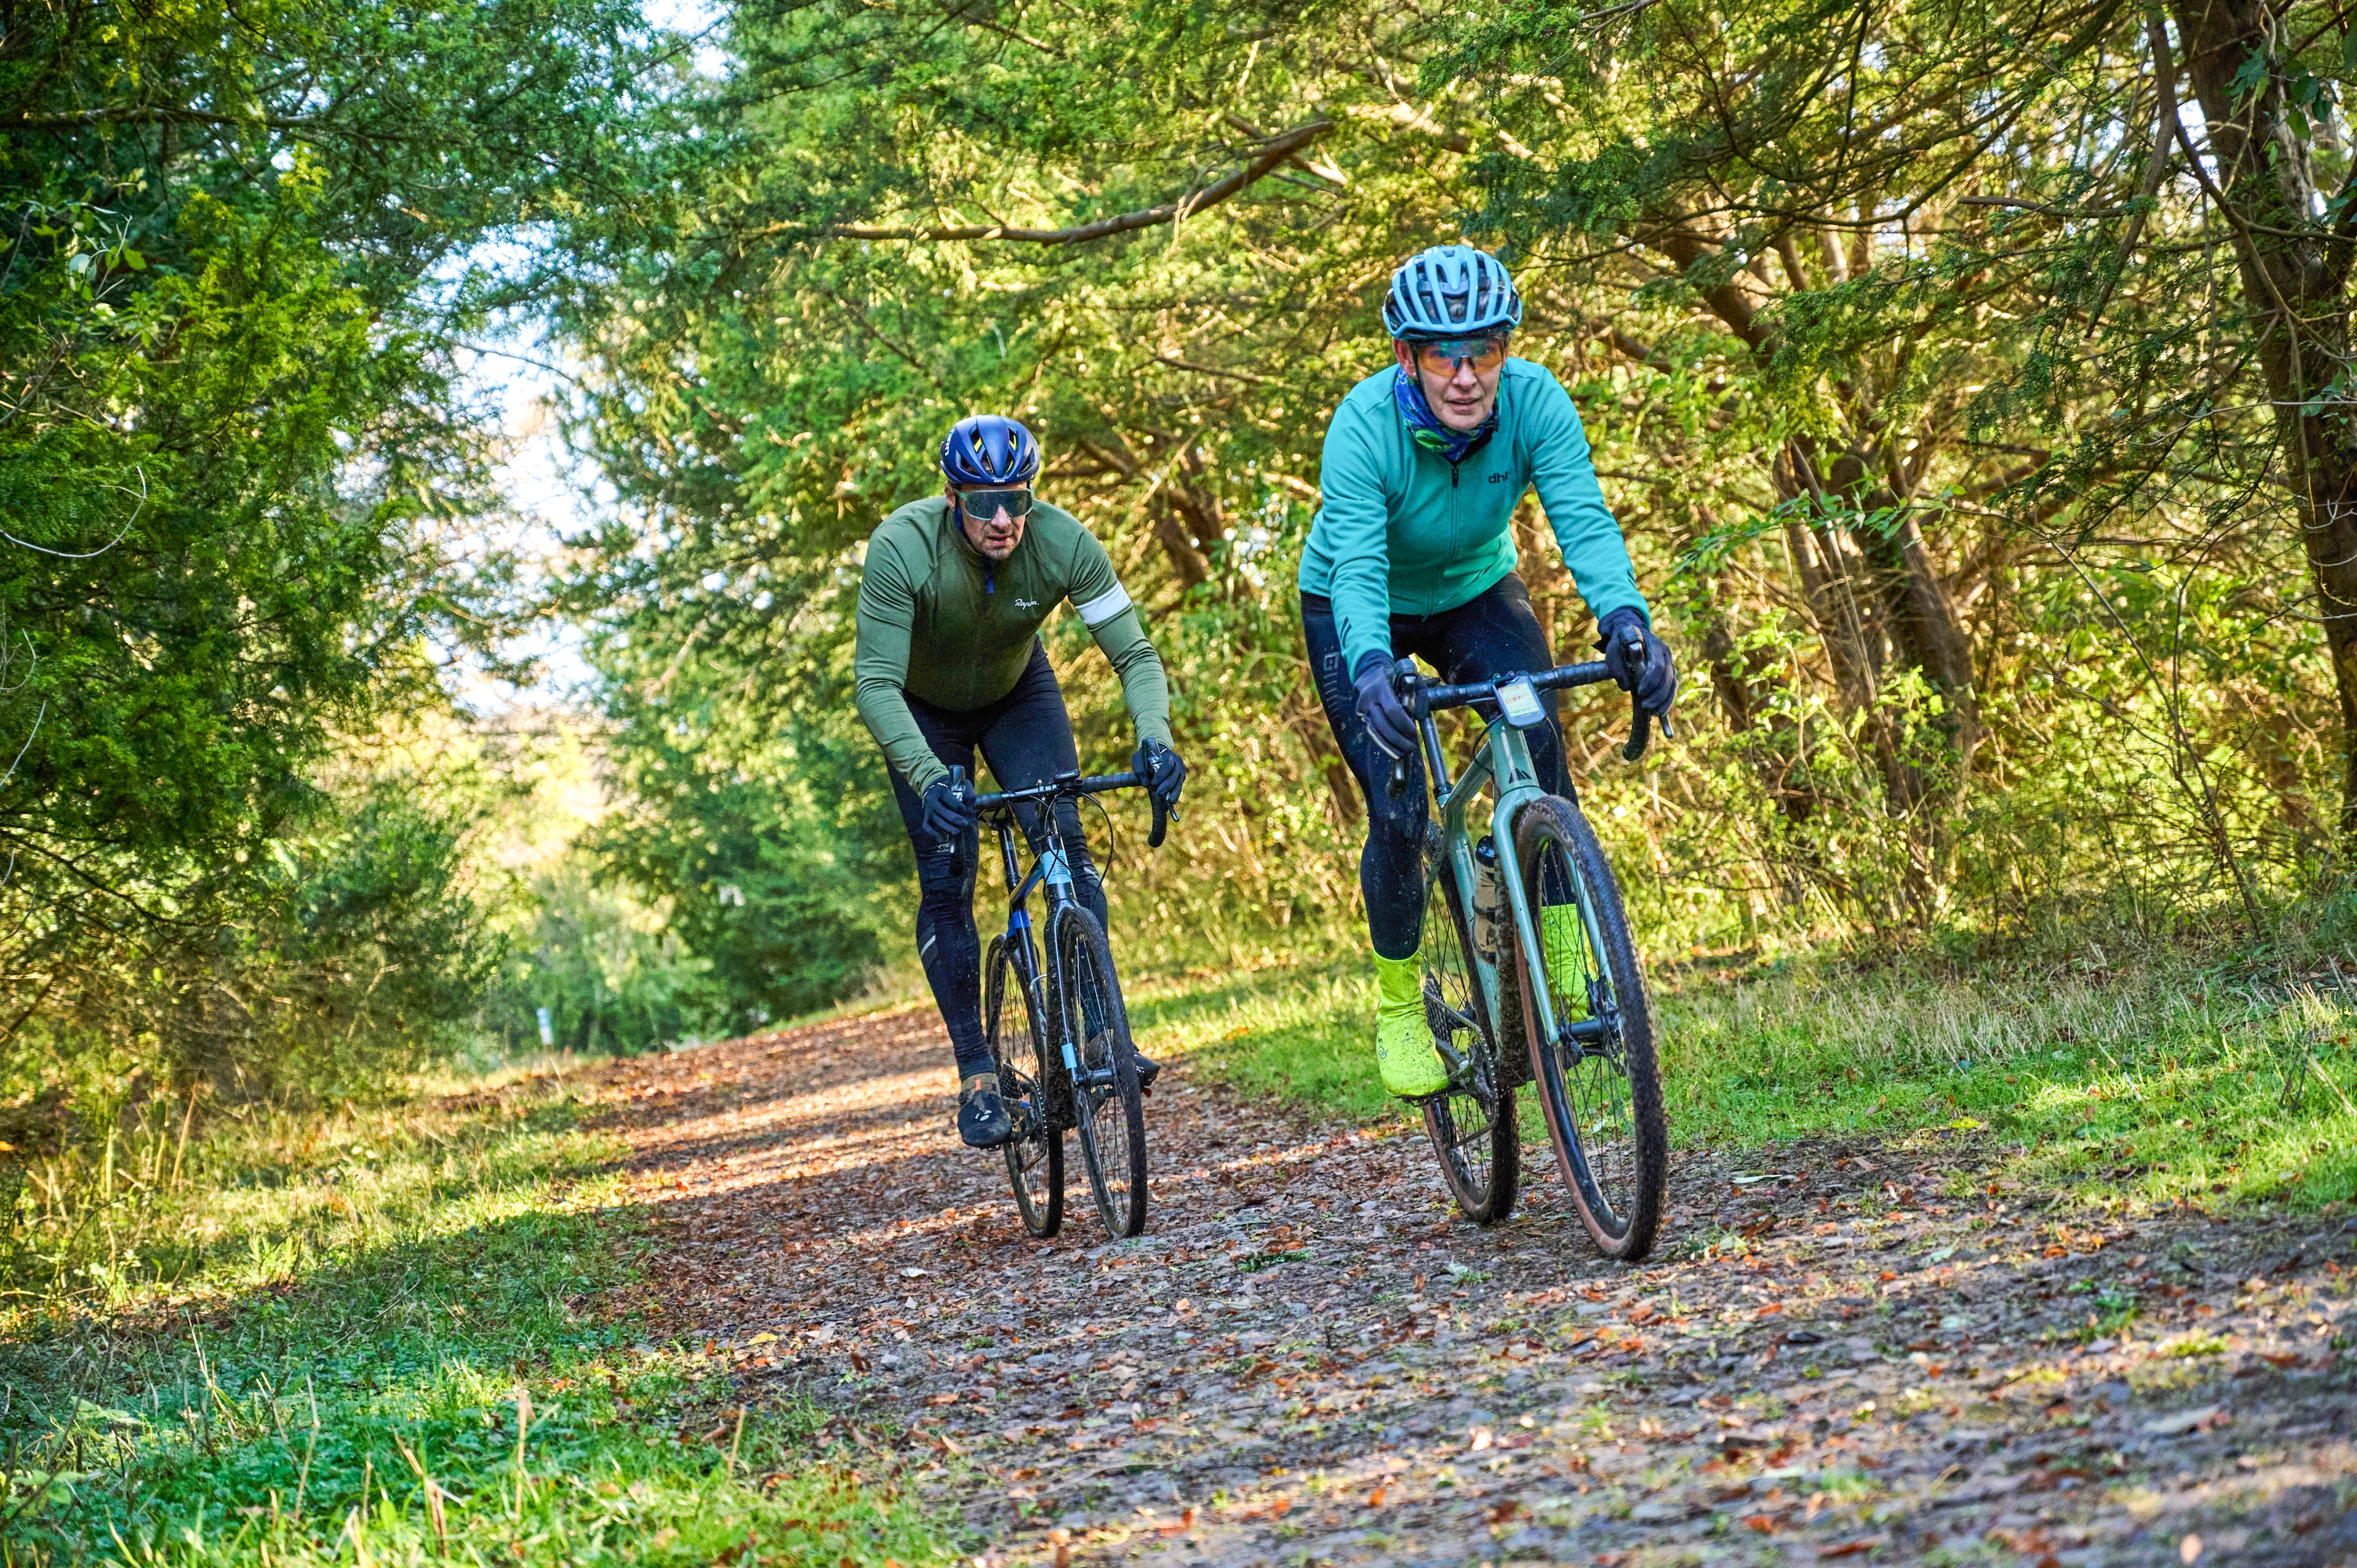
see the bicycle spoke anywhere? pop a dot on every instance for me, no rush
(1470, 1122)
(1598, 1078)
(1112, 1126)
(1034, 1160)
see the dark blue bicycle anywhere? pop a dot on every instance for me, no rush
(1079, 1069)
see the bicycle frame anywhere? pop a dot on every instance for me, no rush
(1504, 758)
(1053, 872)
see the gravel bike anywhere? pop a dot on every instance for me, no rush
(1529, 975)
(1072, 1066)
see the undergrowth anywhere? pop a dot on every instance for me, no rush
(408, 1335)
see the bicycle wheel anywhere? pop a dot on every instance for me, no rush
(1598, 1078)
(1035, 1163)
(1105, 1100)
(1471, 1124)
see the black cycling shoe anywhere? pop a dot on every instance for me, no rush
(982, 1118)
(1149, 1069)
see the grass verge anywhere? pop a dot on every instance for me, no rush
(406, 1337)
(2170, 1079)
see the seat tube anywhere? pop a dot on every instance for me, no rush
(1518, 786)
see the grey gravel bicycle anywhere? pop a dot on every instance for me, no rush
(1530, 973)
(1072, 1065)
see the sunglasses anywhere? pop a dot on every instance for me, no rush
(1484, 354)
(984, 505)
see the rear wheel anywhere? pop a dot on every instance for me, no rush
(1106, 1099)
(1035, 1161)
(1471, 1123)
(1598, 1078)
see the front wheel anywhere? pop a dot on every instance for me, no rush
(1471, 1123)
(1106, 1099)
(1597, 1075)
(1035, 1161)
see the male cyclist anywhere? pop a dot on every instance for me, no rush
(951, 601)
(1412, 555)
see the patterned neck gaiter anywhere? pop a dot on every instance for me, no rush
(1424, 428)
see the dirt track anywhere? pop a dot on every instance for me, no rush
(1308, 1358)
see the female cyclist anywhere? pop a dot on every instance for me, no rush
(1412, 555)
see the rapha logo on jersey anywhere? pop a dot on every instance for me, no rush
(1026, 604)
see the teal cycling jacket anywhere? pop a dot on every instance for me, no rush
(1404, 532)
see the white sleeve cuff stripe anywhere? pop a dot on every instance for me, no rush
(1104, 607)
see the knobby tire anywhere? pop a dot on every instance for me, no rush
(1602, 1101)
(1106, 1101)
(1472, 1125)
(1035, 1165)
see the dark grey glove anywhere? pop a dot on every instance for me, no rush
(1380, 709)
(948, 805)
(1160, 767)
(1639, 662)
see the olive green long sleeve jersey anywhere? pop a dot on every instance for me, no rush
(939, 623)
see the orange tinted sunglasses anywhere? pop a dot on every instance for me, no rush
(1442, 357)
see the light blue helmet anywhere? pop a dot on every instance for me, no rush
(1451, 290)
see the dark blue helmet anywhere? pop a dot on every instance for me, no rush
(989, 449)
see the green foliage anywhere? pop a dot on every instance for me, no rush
(239, 252)
(1960, 519)
(778, 852)
(612, 978)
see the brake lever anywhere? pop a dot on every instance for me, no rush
(1396, 785)
(1641, 730)
(1641, 733)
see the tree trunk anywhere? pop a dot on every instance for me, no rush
(2295, 272)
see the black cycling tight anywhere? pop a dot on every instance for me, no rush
(1026, 737)
(1494, 633)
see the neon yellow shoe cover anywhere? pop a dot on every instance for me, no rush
(1403, 1037)
(1567, 953)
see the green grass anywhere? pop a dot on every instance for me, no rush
(355, 1313)
(1303, 1033)
(2162, 1081)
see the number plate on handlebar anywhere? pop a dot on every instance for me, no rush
(1520, 704)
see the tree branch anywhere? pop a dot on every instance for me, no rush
(88, 118)
(1276, 151)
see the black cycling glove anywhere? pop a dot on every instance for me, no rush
(1163, 773)
(948, 805)
(1637, 660)
(1385, 716)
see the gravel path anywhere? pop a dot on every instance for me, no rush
(1875, 1352)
